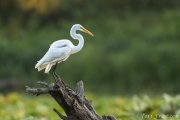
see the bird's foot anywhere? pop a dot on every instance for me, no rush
(56, 76)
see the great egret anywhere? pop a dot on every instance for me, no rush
(60, 50)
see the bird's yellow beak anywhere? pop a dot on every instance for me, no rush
(86, 31)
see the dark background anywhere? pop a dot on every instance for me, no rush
(135, 48)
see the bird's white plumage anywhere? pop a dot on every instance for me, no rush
(62, 43)
(60, 50)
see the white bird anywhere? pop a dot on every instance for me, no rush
(60, 50)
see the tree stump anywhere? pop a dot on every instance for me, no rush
(74, 103)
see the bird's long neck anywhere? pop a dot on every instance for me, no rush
(78, 37)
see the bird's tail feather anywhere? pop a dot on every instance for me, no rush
(41, 67)
(38, 64)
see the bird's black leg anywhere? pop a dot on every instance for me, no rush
(54, 73)
(55, 76)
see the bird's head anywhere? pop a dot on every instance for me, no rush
(81, 28)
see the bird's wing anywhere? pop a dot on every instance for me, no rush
(54, 55)
(60, 43)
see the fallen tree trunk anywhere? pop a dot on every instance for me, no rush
(74, 103)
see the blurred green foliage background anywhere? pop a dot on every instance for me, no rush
(135, 48)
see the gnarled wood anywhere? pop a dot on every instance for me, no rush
(75, 105)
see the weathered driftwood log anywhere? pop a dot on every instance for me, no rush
(74, 103)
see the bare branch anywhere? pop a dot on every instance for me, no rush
(80, 91)
(74, 103)
(36, 91)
